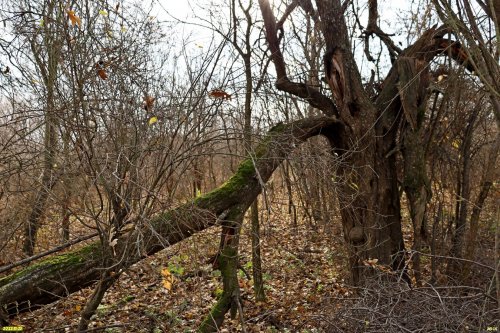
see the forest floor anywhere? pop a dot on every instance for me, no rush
(304, 273)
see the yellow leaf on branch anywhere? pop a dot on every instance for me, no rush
(152, 120)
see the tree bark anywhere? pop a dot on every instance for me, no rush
(258, 280)
(413, 83)
(228, 265)
(246, 55)
(103, 285)
(64, 274)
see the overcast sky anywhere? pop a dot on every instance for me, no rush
(391, 13)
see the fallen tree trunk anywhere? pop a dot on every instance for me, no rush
(61, 275)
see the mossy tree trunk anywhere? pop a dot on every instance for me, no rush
(228, 265)
(58, 276)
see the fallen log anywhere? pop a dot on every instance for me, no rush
(60, 275)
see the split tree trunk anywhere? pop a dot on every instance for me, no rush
(370, 203)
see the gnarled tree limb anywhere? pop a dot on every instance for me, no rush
(312, 95)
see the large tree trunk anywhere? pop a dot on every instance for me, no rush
(61, 275)
(369, 201)
(367, 146)
(413, 83)
(228, 265)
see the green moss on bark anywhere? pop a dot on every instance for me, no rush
(55, 263)
(228, 262)
(233, 184)
(246, 171)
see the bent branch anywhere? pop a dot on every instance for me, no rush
(61, 275)
(311, 94)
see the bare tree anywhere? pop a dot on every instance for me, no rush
(135, 138)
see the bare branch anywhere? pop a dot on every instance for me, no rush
(311, 94)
